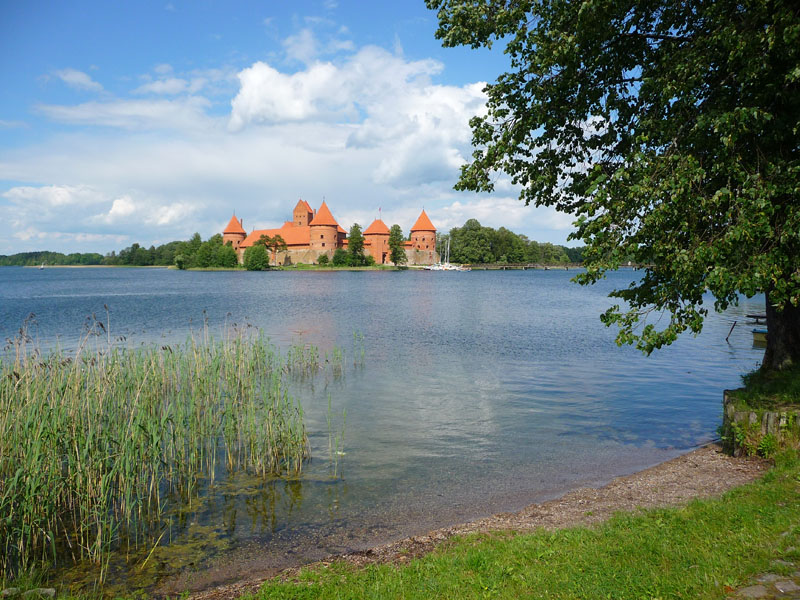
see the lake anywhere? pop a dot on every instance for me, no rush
(478, 392)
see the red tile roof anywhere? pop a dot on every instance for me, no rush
(423, 223)
(377, 227)
(293, 235)
(234, 226)
(324, 216)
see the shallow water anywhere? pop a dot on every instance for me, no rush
(478, 392)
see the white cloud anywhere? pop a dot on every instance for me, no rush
(301, 46)
(53, 195)
(169, 86)
(126, 210)
(325, 91)
(184, 113)
(121, 208)
(78, 80)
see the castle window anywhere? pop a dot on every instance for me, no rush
(321, 236)
(323, 244)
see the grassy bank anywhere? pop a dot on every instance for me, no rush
(97, 445)
(701, 550)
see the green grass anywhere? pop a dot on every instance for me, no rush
(770, 389)
(689, 552)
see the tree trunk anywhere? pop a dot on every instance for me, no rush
(783, 337)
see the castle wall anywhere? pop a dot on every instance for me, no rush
(421, 257)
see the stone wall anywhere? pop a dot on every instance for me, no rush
(749, 431)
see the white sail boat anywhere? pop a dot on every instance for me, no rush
(446, 266)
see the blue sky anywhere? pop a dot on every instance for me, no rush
(144, 122)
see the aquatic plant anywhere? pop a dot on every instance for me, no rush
(97, 444)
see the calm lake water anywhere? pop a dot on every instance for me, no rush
(479, 392)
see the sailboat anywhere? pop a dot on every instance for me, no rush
(446, 266)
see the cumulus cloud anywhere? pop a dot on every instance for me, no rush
(325, 91)
(78, 80)
(126, 210)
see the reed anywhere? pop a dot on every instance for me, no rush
(97, 444)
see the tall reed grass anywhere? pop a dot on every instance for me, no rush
(97, 443)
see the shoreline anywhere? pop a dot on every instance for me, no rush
(701, 473)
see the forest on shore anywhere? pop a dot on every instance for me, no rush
(472, 243)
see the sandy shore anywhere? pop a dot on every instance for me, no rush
(701, 473)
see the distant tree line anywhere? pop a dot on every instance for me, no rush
(472, 243)
(475, 244)
(183, 254)
(30, 259)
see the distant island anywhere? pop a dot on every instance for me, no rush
(471, 243)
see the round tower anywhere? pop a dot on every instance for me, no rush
(423, 234)
(234, 233)
(377, 236)
(324, 235)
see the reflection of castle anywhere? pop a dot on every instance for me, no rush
(313, 233)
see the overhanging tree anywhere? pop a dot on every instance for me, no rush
(670, 129)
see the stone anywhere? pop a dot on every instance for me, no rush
(40, 593)
(783, 563)
(11, 592)
(786, 585)
(769, 578)
(753, 591)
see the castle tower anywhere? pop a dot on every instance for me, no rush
(303, 215)
(234, 233)
(423, 234)
(377, 235)
(324, 231)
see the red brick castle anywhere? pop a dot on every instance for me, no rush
(312, 233)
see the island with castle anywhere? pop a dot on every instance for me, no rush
(312, 233)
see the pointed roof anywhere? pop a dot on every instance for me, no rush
(377, 227)
(304, 205)
(234, 226)
(324, 216)
(423, 223)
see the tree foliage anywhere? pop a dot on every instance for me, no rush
(670, 129)
(355, 246)
(256, 258)
(397, 251)
(341, 258)
(274, 244)
(31, 259)
(474, 243)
